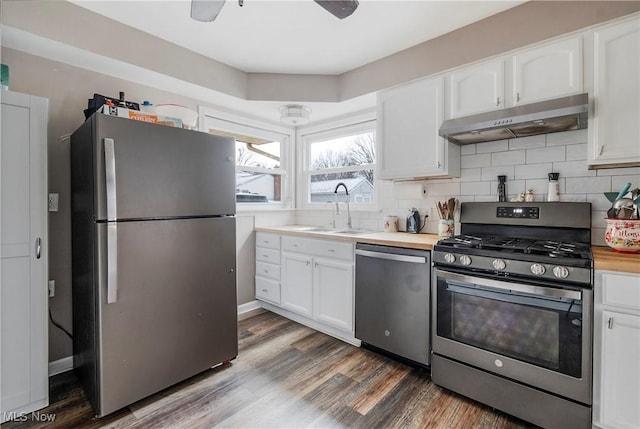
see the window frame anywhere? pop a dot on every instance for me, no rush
(306, 136)
(235, 123)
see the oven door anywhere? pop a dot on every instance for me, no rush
(537, 335)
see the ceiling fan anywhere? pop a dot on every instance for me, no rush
(208, 10)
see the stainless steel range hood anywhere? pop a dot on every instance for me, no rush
(561, 114)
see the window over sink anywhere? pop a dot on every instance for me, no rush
(342, 154)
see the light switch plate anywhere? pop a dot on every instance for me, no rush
(53, 202)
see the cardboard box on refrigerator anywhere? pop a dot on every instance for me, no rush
(140, 116)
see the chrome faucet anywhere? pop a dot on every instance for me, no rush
(346, 199)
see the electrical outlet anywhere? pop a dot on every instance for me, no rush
(53, 202)
(52, 288)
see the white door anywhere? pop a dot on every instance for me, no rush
(297, 283)
(547, 72)
(333, 293)
(620, 376)
(23, 297)
(616, 129)
(476, 89)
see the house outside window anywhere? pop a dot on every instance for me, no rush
(261, 158)
(345, 154)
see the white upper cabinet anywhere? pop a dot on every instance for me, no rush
(476, 89)
(550, 71)
(409, 118)
(614, 127)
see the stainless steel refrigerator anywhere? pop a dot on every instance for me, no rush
(154, 257)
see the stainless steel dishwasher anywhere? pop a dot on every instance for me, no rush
(392, 300)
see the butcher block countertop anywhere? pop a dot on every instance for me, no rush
(396, 239)
(604, 257)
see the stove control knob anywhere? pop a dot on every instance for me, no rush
(499, 264)
(538, 269)
(448, 257)
(465, 260)
(561, 272)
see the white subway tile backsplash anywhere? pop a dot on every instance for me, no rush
(591, 185)
(577, 152)
(541, 188)
(492, 173)
(470, 174)
(468, 149)
(475, 188)
(444, 189)
(496, 146)
(567, 137)
(617, 182)
(619, 171)
(507, 158)
(532, 171)
(527, 142)
(573, 169)
(598, 202)
(537, 156)
(473, 161)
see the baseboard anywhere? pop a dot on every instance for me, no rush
(61, 365)
(249, 306)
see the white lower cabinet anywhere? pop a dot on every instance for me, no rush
(333, 293)
(616, 395)
(316, 284)
(268, 267)
(297, 281)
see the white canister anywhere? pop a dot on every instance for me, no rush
(391, 224)
(445, 228)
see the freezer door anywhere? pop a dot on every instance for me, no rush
(176, 312)
(160, 171)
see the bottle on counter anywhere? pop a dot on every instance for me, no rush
(554, 191)
(502, 188)
(147, 107)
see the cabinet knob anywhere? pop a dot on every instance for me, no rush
(308, 263)
(331, 250)
(498, 101)
(265, 290)
(610, 323)
(517, 97)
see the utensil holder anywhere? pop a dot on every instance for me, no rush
(446, 228)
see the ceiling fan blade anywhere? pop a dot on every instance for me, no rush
(206, 10)
(339, 8)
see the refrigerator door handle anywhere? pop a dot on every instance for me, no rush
(110, 177)
(112, 262)
(112, 227)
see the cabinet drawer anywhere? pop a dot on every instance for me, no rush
(324, 248)
(268, 290)
(621, 290)
(268, 255)
(271, 271)
(265, 239)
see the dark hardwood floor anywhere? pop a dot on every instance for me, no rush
(286, 375)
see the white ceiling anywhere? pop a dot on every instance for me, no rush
(298, 36)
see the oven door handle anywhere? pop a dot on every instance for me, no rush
(507, 286)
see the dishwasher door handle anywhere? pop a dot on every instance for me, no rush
(392, 256)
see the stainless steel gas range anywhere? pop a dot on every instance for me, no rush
(512, 310)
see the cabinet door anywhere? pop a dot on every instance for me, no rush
(297, 283)
(476, 89)
(409, 117)
(547, 72)
(620, 371)
(24, 378)
(333, 293)
(616, 130)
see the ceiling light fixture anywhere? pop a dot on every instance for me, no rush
(295, 114)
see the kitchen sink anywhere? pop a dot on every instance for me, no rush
(351, 231)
